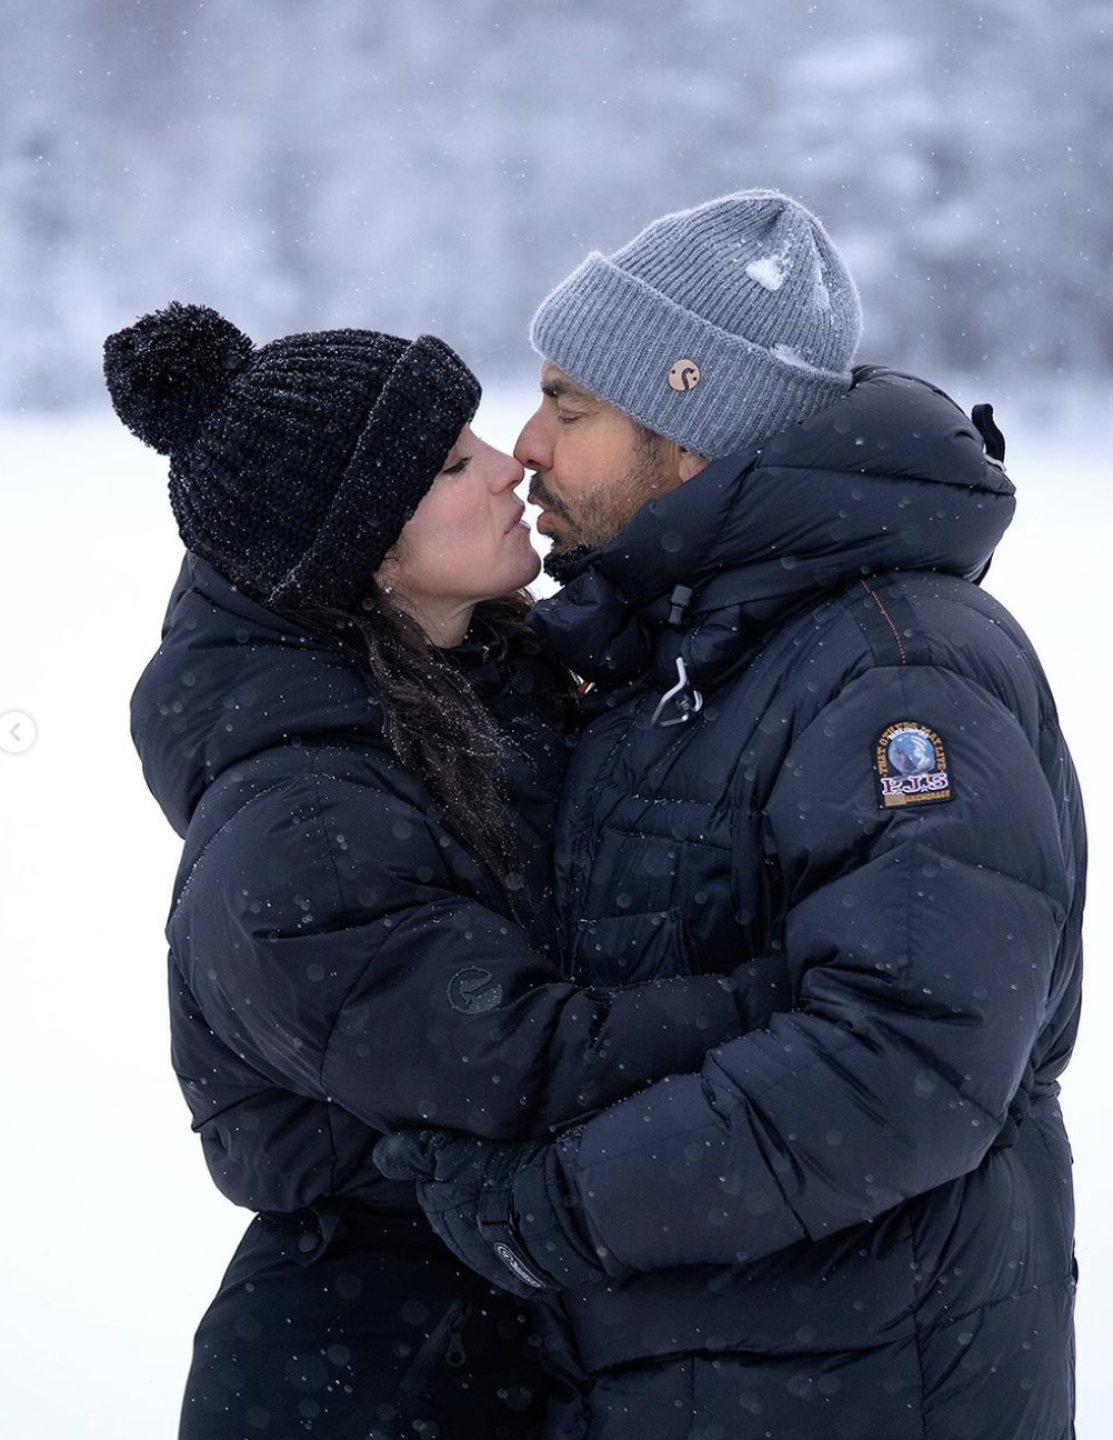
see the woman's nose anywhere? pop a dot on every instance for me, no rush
(509, 473)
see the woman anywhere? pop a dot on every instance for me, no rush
(351, 729)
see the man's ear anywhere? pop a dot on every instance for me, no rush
(689, 463)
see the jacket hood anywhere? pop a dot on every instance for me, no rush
(232, 678)
(892, 477)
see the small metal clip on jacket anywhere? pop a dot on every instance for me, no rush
(688, 705)
(679, 600)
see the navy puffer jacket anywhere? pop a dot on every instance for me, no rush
(856, 1221)
(339, 964)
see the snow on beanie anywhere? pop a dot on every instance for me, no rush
(718, 326)
(294, 466)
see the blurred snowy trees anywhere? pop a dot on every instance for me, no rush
(438, 165)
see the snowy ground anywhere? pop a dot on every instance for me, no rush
(114, 1238)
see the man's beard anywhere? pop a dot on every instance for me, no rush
(606, 513)
(565, 565)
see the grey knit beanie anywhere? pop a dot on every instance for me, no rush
(718, 326)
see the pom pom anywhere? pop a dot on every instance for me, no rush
(169, 371)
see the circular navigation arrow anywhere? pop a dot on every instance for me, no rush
(17, 732)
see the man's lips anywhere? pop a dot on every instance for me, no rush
(543, 517)
(545, 503)
(551, 510)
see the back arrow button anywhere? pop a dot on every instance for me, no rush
(17, 732)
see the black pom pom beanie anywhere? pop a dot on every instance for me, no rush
(294, 466)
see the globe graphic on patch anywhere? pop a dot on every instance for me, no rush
(911, 753)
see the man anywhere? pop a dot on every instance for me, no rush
(810, 735)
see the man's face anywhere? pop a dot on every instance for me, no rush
(594, 468)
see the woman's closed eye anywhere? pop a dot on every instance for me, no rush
(459, 468)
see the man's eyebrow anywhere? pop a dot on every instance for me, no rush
(561, 389)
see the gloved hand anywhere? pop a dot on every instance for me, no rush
(500, 1208)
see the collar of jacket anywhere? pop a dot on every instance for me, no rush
(892, 477)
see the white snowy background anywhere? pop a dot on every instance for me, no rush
(436, 167)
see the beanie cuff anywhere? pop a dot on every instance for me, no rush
(428, 399)
(619, 337)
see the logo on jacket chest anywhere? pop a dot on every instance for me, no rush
(912, 766)
(474, 990)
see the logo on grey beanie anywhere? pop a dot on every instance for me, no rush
(684, 375)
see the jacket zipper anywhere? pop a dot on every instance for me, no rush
(445, 1341)
(587, 834)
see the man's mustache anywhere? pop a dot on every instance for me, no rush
(540, 494)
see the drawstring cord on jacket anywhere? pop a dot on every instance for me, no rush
(687, 705)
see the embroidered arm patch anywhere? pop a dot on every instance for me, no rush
(912, 766)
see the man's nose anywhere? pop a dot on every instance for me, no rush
(534, 449)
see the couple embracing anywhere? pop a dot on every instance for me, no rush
(635, 1015)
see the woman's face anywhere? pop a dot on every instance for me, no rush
(467, 541)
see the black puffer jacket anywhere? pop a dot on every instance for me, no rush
(858, 1220)
(339, 964)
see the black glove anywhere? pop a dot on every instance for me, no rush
(500, 1208)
